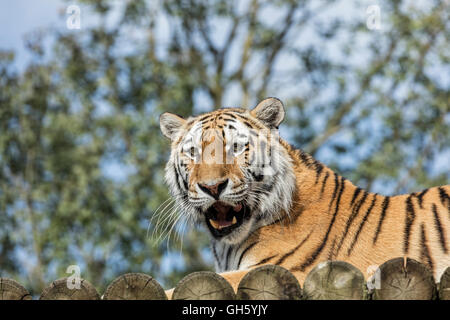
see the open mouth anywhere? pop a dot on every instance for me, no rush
(222, 219)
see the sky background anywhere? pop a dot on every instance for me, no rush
(20, 17)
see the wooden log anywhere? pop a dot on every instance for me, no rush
(203, 285)
(404, 279)
(62, 290)
(444, 285)
(334, 280)
(134, 286)
(12, 290)
(269, 282)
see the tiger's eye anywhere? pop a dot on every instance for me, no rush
(235, 147)
(192, 151)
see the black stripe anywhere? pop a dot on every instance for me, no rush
(248, 122)
(229, 120)
(361, 202)
(444, 197)
(323, 184)
(178, 175)
(186, 186)
(336, 185)
(425, 251)
(230, 115)
(215, 255)
(361, 225)
(352, 217)
(244, 252)
(355, 195)
(287, 255)
(263, 261)
(305, 158)
(410, 215)
(331, 253)
(228, 258)
(176, 178)
(310, 260)
(382, 216)
(317, 164)
(205, 117)
(319, 168)
(438, 225)
(420, 198)
(257, 177)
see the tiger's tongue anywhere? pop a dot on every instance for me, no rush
(222, 211)
(222, 214)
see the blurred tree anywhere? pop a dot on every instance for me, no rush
(81, 155)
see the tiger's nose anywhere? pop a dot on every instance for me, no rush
(214, 190)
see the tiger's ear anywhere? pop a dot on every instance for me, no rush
(170, 124)
(270, 111)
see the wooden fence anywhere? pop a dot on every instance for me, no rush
(398, 278)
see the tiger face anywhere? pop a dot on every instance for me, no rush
(227, 169)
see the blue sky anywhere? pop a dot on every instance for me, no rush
(19, 17)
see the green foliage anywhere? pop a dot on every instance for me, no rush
(81, 155)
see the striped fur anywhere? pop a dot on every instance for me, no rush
(303, 212)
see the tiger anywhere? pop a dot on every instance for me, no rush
(262, 201)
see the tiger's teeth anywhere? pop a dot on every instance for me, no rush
(214, 224)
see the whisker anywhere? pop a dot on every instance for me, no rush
(171, 217)
(162, 217)
(155, 213)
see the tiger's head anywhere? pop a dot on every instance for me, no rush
(228, 169)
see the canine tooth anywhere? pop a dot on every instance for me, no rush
(234, 220)
(214, 224)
